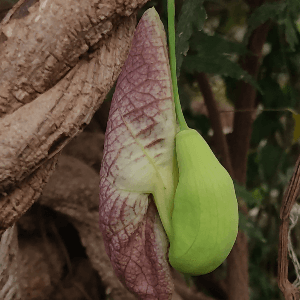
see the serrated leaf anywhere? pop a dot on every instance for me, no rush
(216, 45)
(192, 15)
(291, 33)
(138, 163)
(213, 57)
(217, 64)
(264, 13)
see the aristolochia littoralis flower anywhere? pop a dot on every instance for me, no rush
(158, 186)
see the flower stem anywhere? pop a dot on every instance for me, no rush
(171, 30)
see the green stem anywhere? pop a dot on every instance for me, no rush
(171, 30)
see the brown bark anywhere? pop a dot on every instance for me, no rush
(73, 191)
(9, 277)
(215, 118)
(58, 61)
(40, 44)
(289, 291)
(41, 266)
(238, 269)
(245, 105)
(15, 202)
(238, 277)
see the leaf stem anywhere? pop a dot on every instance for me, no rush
(171, 30)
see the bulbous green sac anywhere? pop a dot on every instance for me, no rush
(205, 214)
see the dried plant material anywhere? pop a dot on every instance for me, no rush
(293, 221)
(137, 166)
(288, 289)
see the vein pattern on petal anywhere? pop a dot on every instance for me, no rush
(138, 156)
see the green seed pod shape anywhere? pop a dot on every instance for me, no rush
(205, 215)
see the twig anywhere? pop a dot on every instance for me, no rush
(288, 289)
(214, 116)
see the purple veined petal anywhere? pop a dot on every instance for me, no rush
(138, 163)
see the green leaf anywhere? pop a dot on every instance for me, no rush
(272, 94)
(291, 33)
(270, 158)
(250, 198)
(265, 125)
(212, 56)
(215, 45)
(252, 231)
(217, 64)
(296, 134)
(264, 13)
(293, 6)
(192, 15)
(282, 12)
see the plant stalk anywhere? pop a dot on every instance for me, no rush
(171, 30)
